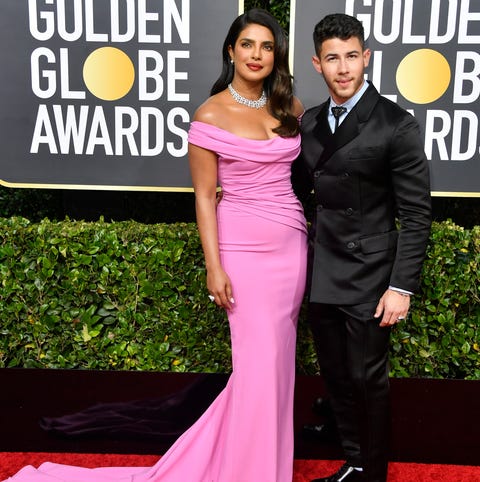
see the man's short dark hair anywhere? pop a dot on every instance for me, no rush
(337, 25)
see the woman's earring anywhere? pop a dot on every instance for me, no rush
(231, 61)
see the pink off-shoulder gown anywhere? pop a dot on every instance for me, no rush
(246, 435)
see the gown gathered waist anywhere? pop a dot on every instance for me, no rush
(246, 434)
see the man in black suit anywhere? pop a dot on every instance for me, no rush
(365, 162)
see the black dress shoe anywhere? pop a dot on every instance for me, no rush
(326, 432)
(321, 406)
(346, 473)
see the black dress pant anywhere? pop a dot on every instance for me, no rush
(352, 350)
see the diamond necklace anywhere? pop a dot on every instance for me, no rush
(255, 104)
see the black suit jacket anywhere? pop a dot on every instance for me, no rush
(369, 177)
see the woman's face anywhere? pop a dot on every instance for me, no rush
(253, 53)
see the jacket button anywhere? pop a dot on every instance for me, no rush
(349, 211)
(351, 245)
(316, 174)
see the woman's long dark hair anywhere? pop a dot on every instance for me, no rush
(278, 85)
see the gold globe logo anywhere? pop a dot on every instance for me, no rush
(423, 76)
(108, 73)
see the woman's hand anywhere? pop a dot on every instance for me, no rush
(220, 287)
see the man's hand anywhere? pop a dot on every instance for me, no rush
(394, 306)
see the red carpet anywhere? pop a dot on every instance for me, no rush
(305, 470)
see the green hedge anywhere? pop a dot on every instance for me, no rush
(131, 296)
(106, 296)
(441, 337)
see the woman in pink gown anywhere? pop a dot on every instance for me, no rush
(254, 243)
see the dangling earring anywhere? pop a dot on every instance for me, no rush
(231, 61)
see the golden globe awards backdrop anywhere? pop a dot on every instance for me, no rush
(99, 94)
(425, 57)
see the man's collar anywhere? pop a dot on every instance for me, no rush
(350, 103)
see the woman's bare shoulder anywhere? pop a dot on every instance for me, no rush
(298, 108)
(211, 110)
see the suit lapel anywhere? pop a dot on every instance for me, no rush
(348, 129)
(322, 130)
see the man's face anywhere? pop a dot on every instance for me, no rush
(342, 64)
